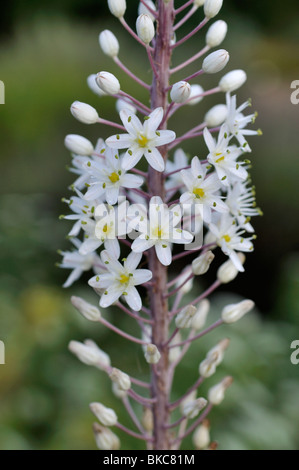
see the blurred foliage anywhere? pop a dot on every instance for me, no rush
(44, 391)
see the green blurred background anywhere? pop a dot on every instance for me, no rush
(47, 49)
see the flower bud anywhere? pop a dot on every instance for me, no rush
(201, 436)
(201, 264)
(93, 86)
(212, 8)
(103, 361)
(105, 415)
(109, 43)
(84, 112)
(118, 392)
(234, 312)
(105, 438)
(117, 7)
(147, 420)
(78, 144)
(199, 3)
(216, 33)
(227, 271)
(192, 408)
(108, 83)
(122, 379)
(89, 354)
(216, 115)
(152, 355)
(195, 91)
(215, 61)
(216, 393)
(199, 319)
(145, 28)
(174, 353)
(184, 276)
(180, 92)
(122, 104)
(189, 398)
(214, 357)
(88, 311)
(184, 318)
(232, 80)
(142, 10)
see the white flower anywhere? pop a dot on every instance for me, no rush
(180, 92)
(105, 229)
(93, 86)
(202, 189)
(152, 354)
(83, 210)
(109, 43)
(121, 280)
(216, 393)
(216, 115)
(107, 177)
(78, 263)
(121, 379)
(180, 161)
(160, 230)
(78, 144)
(108, 83)
(233, 80)
(228, 235)
(236, 121)
(223, 157)
(89, 311)
(79, 165)
(215, 61)
(241, 202)
(192, 408)
(234, 312)
(106, 416)
(84, 112)
(216, 33)
(212, 8)
(117, 7)
(142, 139)
(145, 28)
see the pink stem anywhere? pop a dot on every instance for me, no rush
(180, 286)
(194, 425)
(176, 403)
(133, 434)
(130, 31)
(131, 74)
(206, 93)
(185, 18)
(189, 35)
(151, 61)
(176, 423)
(204, 332)
(133, 315)
(110, 123)
(132, 414)
(189, 61)
(180, 9)
(144, 401)
(153, 12)
(190, 77)
(121, 333)
(131, 98)
(189, 252)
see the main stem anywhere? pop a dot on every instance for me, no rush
(158, 303)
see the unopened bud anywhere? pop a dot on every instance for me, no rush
(117, 7)
(216, 393)
(180, 92)
(143, 10)
(78, 144)
(147, 420)
(118, 392)
(183, 279)
(215, 61)
(216, 33)
(216, 115)
(192, 409)
(232, 80)
(174, 353)
(105, 415)
(200, 317)
(188, 399)
(122, 104)
(84, 112)
(184, 318)
(201, 264)
(194, 98)
(89, 353)
(90, 312)
(93, 86)
(121, 378)
(227, 271)
(152, 355)
(214, 357)
(109, 43)
(201, 436)
(234, 312)
(145, 28)
(105, 438)
(108, 83)
(212, 8)
(199, 3)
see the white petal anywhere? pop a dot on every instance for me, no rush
(76, 229)
(129, 161)
(75, 274)
(210, 142)
(163, 252)
(89, 245)
(235, 259)
(101, 282)
(111, 263)
(131, 122)
(94, 191)
(141, 244)
(131, 181)
(182, 237)
(132, 261)
(133, 299)
(119, 141)
(112, 245)
(141, 276)
(112, 195)
(164, 138)
(151, 125)
(113, 293)
(155, 159)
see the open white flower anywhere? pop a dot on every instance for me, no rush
(142, 139)
(228, 235)
(202, 189)
(236, 121)
(160, 230)
(223, 157)
(83, 210)
(107, 176)
(121, 280)
(79, 263)
(241, 202)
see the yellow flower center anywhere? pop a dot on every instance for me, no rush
(198, 192)
(142, 140)
(124, 279)
(219, 159)
(114, 177)
(105, 228)
(227, 238)
(157, 232)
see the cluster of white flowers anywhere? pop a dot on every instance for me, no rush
(207, 198)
